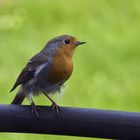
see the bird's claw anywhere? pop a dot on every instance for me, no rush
(34, 110)
(55, 107)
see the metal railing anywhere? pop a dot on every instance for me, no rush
(81, 122)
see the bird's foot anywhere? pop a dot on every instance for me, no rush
(55, 107)
(34, 110)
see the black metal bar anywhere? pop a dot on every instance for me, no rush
(71, 121)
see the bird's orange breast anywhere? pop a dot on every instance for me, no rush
(62, 67)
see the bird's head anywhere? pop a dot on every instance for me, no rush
(65, 44)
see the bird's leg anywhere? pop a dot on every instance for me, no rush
(33, 106)
(34, 109)
(54, 106)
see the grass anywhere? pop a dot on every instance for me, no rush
(106, 70)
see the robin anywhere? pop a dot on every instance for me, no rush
(47, 71)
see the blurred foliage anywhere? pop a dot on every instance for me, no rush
(106, 70)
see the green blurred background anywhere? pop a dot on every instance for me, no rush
(106, 69)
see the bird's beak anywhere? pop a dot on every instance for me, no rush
(80, 43)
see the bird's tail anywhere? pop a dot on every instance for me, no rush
(20, 96)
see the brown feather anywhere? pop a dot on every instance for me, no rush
(62, 66)
(28, 72)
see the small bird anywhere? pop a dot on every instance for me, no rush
(47, 71)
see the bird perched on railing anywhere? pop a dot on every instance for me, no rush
(47, 71)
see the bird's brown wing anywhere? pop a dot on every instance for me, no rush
(29, 70)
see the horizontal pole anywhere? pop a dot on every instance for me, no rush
(70, 121)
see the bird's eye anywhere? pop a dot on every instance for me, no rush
(67, 41)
